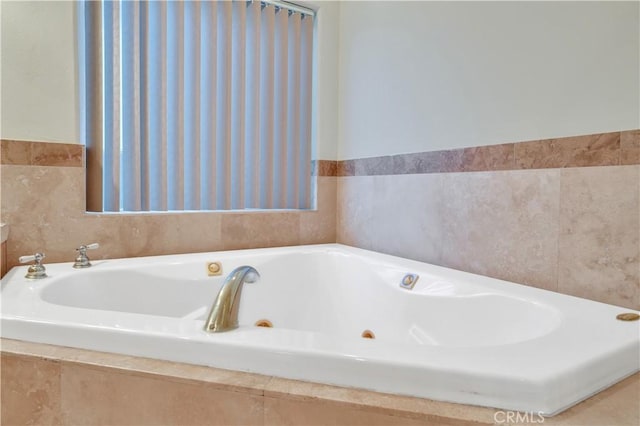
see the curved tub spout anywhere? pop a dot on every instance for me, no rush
(224, 312)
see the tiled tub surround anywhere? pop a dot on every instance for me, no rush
(43, 199)
(563, 214)
(43, 384)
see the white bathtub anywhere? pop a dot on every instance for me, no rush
(455, 337)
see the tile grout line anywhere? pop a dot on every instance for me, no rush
(559, 231)
(619, 148)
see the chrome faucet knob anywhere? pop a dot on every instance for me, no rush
(82, 260)
(37, 270)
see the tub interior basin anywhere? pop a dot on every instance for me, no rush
(472, 321)
(296, 298)
(134, 292)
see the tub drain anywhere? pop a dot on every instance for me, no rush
(368, 334)
(264, 323)
(629, 316)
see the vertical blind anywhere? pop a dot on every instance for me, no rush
(196, 105)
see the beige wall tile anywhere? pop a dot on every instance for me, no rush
(405, 218)
(15, 152)
(492, 157)
(580, 151)
(630, 147)
(355, 211)
(41, 192)
(42, 154)
(502, 224)
(156, 234)
(429, 162)
(97, 397)
(260, 229)
(284, 411)
(346, 168)
(324, 168)
(38, 203)
(374, 166)
(600, 234)
(57, 154)
(319, 226)
(30, 391)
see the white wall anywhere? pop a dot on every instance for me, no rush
(422, 76)
(326, 87)
(38, 90)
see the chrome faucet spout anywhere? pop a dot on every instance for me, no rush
(224, 312)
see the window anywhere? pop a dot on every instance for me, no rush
(196, 105)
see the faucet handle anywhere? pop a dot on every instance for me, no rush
(30, 258)
(91, 246)
(82, 260)
(27, 259)
(37, 270)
